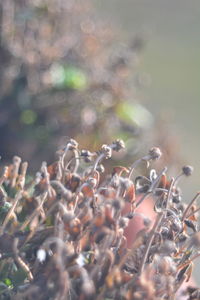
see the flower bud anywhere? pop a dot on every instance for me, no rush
(155, 153)
(107, 151)
(187, 170)
(118, 145)
(72, 144)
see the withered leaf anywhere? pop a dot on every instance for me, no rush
(130, 194)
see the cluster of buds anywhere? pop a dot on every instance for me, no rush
(65, 230)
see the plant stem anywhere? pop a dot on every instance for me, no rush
(150, 240)
(189, 205)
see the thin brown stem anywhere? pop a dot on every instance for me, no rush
(170, 191)
(99, 158)
(192, 213)
(11, 211)
(19, 260)
(143, 198)
(190, 205)
(150, 240)
(136, 163)
(34, 213)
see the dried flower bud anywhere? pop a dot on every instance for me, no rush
(72, 144)
(176, 199)
(187, 170)
(155, 153)
(87, 155)
(118, 145)
(107, 151)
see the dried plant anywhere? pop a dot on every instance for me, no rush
(62, 232)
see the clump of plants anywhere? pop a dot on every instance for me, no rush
(62, 232)
(63, 73)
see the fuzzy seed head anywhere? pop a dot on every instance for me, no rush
(187, 170)
(107, 151)
(118, 145)
(155, 153)
(72, 144)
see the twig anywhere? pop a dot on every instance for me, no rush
(150, 240)
(19, 260)
(11, 211)
(189, 205)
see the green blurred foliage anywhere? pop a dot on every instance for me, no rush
(63, 74)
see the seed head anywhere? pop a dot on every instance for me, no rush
(72, 144)
(187, 170)
(87, 155)
(107, 151)
(118, 145)
(155, 153)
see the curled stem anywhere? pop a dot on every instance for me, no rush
(136, 163)
(97, 161)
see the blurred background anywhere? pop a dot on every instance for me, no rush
(100, 70)
(170, 67)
